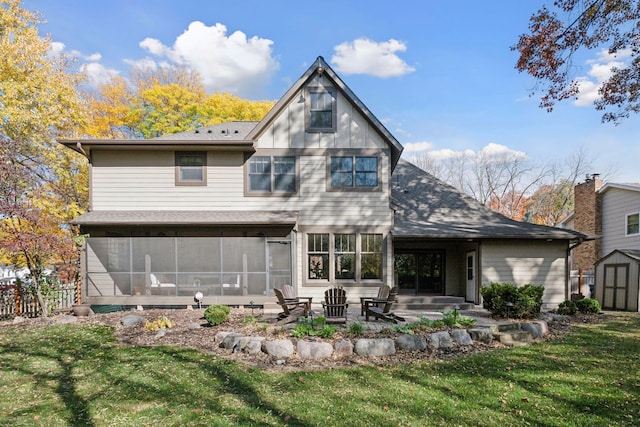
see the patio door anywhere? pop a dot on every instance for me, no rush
(279, 268)
(471, 277)
(421, 272)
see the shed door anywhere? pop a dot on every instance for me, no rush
(616, 286)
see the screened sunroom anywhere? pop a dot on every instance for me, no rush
(153, 263)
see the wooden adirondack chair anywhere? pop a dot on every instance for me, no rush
(380, 299)
(291, 310)
(335, 305)
(384, 313)
(290, 295)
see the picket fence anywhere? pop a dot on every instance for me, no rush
(19, 301)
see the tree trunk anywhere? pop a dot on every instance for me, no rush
(41, 300)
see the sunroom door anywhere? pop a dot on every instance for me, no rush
(279, 268)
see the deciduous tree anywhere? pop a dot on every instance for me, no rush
(40, 190)
(548, 50)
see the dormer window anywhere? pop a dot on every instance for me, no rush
(320, 104)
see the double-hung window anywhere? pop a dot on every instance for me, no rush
(371, 256)
(360, 172)
(321, 112)
(318, 253)
(354, 257)
(633, 224)
(345, 256)
(275, 174)
(191, 168)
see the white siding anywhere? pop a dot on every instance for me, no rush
(524, 262)
(617, 203)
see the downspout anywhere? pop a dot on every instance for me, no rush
(567, 272)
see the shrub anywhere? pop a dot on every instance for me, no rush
(588, 306)
(567, 308)
(159, 323)
(217, 314)
(526, 300)
(355, 329)
(305, 327)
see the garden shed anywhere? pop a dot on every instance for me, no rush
(617, 281)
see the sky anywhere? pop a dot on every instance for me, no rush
(439, 74)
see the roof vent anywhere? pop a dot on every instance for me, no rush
(197, 131)
(209, 131)
(224, 131)
(236, 131)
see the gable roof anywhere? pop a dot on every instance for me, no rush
(628, 186)
(631, 253)
(428, 208)
(321, 67)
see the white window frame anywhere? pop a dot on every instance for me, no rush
(637, 224)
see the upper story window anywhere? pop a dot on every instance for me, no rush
(320, 105)
(633, 224)
(269, 174)
(191, 168)
(354, 172)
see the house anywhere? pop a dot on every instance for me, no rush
(611, 212)
(315, 194)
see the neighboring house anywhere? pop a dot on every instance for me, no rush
(314, 195)
(611, 212)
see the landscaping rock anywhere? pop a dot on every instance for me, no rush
(483, 335)
(314, 350)
(161, 333)
(553, 317)
(253, 345)
(375, 347)
(536, 328)
(232, 341)
(278, 348)
(132, 320)
(343, 348)
(440, 339)
(411, 342)
(18, 319)
(461, 336)
(219, 337)
(67, 319)
(194, 326)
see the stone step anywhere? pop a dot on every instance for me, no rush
(513, 338)
(431, 303)
(505, 327)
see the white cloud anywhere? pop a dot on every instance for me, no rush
(364, 56)
(499, 151)
(413, 147)
(489, 151)
(97, 73)
(232, 63)
(56, 49)
(600, 71)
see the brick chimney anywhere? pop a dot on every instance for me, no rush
(587, 218)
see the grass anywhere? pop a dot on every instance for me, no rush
(77, 375)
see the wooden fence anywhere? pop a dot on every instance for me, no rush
(19, 301)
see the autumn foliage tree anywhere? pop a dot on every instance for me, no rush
(555, 36)
(155, 102)
(41, 186)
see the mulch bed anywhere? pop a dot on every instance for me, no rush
(185, 333)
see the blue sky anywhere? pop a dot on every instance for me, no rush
(439, 74)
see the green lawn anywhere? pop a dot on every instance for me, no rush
(78, 375)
